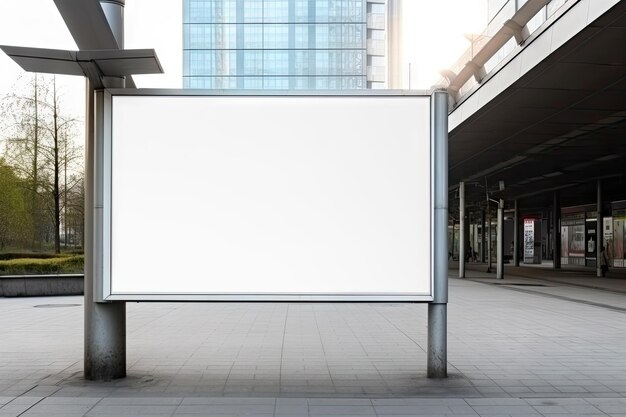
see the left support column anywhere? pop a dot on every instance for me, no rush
(105, 323)
(437, 354)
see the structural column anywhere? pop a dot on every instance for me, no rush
(599, 231)
(437, 354)
(556, 224)
(105, 323)
(515, 235)
(483, 235)
(499, 243)
(462, 237)
(488, 238)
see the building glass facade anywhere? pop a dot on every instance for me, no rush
(275, 44)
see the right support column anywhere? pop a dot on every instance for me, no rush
(437, 354)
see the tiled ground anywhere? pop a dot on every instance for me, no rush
(513, 350)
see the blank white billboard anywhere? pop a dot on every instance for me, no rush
(271, 198)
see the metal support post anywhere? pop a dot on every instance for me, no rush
(105, 323)
(483, 235)
(556, 224)
(599, 231)
(488, 238)
(499, 249)
(462, 237)
(516, 235)
(437, 362)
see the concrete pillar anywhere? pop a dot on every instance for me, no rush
(488, 238)
(500, 243)
(556, 224)
(462, 237)
(483, 238)
(105, 323)
(516, 235)
(599, 230)
(395, 70)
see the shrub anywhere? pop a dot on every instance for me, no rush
(30, 255)
(35, 266)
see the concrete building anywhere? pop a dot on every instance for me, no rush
(288, 44)
(537, 122)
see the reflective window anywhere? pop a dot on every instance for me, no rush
(275, 44)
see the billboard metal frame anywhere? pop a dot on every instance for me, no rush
(103, 201)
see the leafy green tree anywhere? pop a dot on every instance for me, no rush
(15, 220)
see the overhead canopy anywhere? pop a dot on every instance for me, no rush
(93, 64)
(562, 125)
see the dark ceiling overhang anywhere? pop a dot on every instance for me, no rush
(561, 126)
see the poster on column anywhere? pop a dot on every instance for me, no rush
(276, 197)
(529, 241)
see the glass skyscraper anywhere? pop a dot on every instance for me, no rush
(284, 44)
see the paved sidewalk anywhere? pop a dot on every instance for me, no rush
(514, 350)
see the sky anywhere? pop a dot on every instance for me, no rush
(433, 40)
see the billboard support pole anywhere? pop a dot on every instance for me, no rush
(437, 366)
(105, 323)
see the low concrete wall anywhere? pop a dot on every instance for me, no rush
(41, 285)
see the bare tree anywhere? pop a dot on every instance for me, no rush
(40, 148)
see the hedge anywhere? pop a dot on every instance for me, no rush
(35, 266)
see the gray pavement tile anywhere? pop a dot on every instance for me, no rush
(488, 410)
(338, 352)
(225, 409)
(139, 401)
(341, 410)
(133, 409)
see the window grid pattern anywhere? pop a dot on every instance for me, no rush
(274, 44)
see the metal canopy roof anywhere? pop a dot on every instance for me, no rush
(108, 63)
(560, 126)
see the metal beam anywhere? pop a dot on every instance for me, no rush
(92, 64)
(87, 24)
(92, 28)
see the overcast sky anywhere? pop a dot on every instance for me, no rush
(433, 39)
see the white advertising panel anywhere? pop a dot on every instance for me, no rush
(269, 198)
